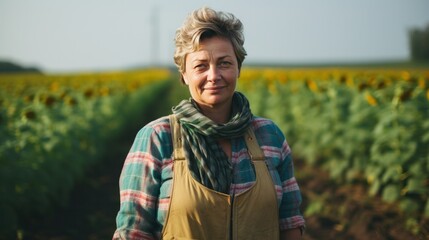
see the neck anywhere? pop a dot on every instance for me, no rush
(218, 114)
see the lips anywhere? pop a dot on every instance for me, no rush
(214, 88)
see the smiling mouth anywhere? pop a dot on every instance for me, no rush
(214, 88)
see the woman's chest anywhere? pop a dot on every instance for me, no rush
(243, 171)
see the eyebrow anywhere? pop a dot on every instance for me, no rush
(223, 57)
(199, 60)
(206, 60)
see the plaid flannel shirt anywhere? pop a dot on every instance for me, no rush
(146, 178)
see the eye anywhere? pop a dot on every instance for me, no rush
(200, 66)
(225, 63)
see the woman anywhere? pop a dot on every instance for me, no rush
(211, 170)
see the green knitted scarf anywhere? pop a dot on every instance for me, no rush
(207, 161)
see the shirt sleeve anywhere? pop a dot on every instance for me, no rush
(290, 214)
(139, 186)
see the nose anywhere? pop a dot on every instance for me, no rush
(213, 74)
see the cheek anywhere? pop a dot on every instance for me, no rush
(233, 77)
(194, 80)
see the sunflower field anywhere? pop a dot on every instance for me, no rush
(54, 127)
(361, 125)
(369, 126)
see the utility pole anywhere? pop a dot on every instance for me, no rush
(154, 48)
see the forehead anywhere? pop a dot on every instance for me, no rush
(214, 47)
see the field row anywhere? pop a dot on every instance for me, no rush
(53, 128)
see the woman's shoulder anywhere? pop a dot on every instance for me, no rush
(263, 123)
(267, 130)
(159, 126)
(159, 122)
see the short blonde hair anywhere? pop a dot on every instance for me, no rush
(205, 23)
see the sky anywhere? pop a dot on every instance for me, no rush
(97, 35)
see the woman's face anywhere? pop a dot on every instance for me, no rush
(211, 73)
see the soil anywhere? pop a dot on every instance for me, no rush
(347, 212)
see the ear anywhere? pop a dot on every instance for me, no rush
(185, 79)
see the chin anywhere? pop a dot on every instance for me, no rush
(216, 102)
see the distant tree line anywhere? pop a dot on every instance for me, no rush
(419, 43)
(10, 67)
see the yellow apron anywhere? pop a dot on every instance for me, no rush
(197, 212)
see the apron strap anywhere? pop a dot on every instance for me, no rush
(255, 151)
(176, 138)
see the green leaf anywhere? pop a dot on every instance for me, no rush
(314, 208)
(412, 225)
(338, 167)
(409, 206)
(391, 193)
(375, 187)
(416, 169)
(415, 185)
(390, 174)
(426, 211)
